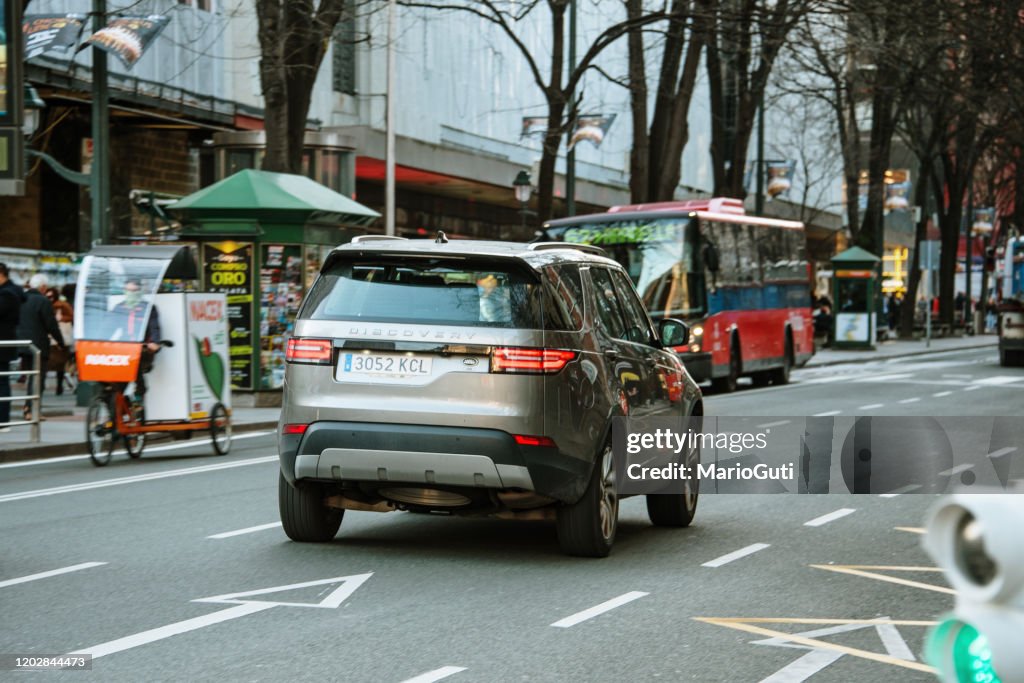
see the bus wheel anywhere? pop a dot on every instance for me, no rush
(728, 384)
(781, 375)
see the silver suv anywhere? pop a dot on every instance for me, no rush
(475, 378)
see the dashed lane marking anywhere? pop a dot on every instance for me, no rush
(735, 555)
(830, 517)
(974, 387)
(52, 572)
(247, 530)
(1002, 451)
(749, 625)
(827, 413)
(872, 406)
(909, 400)
(953, 471)
(942, 393)
(774, 424)
(861, 570)
(435, 675)
(594, 611)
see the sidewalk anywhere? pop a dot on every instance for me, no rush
(901, 348)
(63, 432)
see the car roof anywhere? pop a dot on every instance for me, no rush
(536, 255)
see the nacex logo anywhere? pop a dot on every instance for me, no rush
(107, 359)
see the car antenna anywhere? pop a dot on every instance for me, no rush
(441, 238)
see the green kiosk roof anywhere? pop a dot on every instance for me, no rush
(855, 255)
(283, 197)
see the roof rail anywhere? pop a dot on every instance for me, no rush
(588, 248)
(370, 238)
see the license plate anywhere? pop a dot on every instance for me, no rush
(383, 365)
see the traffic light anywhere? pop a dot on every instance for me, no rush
(976, 539)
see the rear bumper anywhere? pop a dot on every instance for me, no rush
(426, 455)
(697, 364)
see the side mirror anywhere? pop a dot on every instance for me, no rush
(673, 332)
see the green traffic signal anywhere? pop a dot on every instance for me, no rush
(961, 653)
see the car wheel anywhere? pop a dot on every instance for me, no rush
(728, 384)
(304, 515)
(677, 509)
(781, 375)
(587, 527)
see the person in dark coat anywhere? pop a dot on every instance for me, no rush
(38, 323)
(11, 297)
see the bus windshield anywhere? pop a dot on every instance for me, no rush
(656, 252)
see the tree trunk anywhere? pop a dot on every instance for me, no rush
(909, 306)
(872, 235)
(670, 169)
(274, 84)
(640, 151)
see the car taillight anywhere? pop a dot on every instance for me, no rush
(294, 429)
(303, 350)
(527, 440)
(529, 361)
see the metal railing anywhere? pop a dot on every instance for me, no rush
(35, 398)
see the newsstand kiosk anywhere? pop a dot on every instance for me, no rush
(855, 278)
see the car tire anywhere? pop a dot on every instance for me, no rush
(587, 527)
(728, 384)
(676, 509)
(780, 376)
(304, 515)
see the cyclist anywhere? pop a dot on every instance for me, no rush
(128, 316)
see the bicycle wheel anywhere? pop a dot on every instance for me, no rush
(220, 429)
(134, 443)
(99, 430)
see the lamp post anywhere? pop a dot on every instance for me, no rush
(523, 188)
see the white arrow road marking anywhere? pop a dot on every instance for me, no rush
(127, 643)
(135, 479)
(247, 530)
(348, 586)
(242, 608)
(435, 675)
(52, 572)
(803, 668)
(574, 619)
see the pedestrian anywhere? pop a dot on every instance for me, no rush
(38, 324)
(991, 316)
(61, 358)
(892, 310)
(11, 298)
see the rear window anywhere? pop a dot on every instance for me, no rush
(434, 291)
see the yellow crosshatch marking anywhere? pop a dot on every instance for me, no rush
(860, 570)
(748, 624)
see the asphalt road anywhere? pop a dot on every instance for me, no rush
(399, 596)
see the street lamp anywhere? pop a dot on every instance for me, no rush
(523, 189)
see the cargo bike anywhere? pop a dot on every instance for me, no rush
(139, 308)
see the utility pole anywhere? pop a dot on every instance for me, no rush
(99, 181)
(570, 157)
(389, 159)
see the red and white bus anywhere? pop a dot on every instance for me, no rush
(741, 282)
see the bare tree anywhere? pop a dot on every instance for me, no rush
(293, 37)
(656, 155)
(555, 81)
(743, 39)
